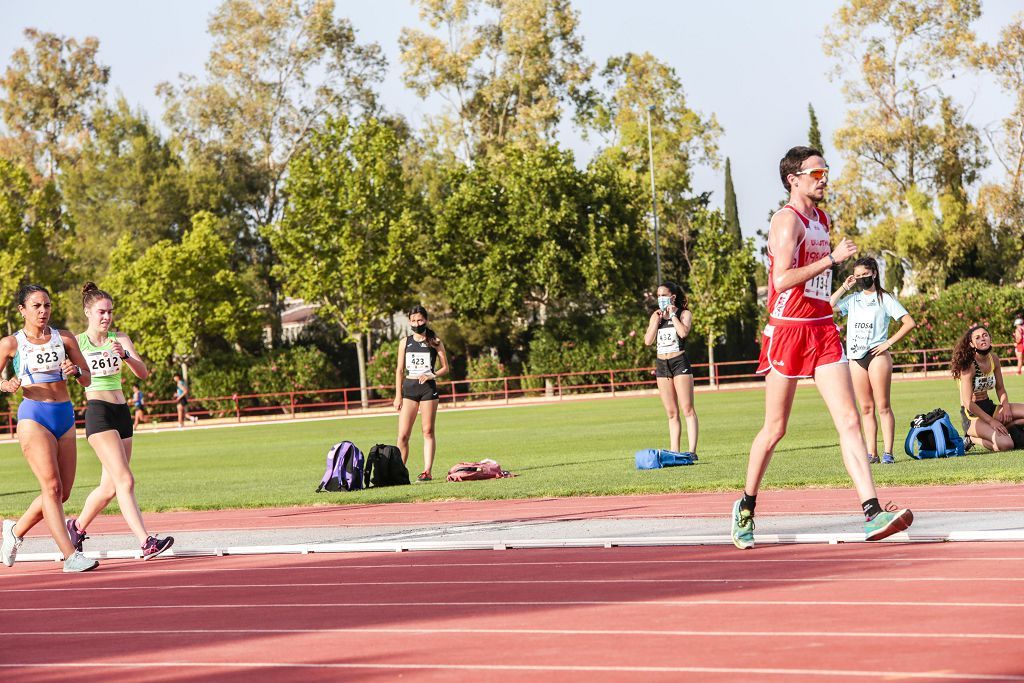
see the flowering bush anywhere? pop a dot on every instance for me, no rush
(380, 369)
(943, 318)
(484, 367)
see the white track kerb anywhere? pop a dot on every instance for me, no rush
(651, 541)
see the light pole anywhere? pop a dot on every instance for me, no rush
(654, 196)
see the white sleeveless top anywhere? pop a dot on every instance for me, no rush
(39, 363)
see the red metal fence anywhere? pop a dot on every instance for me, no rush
(460, 393)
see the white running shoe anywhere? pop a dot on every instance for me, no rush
(79, 563)
(11, 543)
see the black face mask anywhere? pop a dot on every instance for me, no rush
(983, 352)
(866, 281)
(419, 329)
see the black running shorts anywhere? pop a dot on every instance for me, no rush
(103, 416)
(672, 367)
(414, 391)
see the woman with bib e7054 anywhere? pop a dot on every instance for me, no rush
(108, 422)
(43, 358)
(867, 346)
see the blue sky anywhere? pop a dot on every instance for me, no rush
(735, 59)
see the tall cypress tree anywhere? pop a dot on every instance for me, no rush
(732, 215)
(814, 135)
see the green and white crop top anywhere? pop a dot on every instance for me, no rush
(102, 361)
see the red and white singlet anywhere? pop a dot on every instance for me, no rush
(801, 334)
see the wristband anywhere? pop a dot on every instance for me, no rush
(77, 373)
(832, 259)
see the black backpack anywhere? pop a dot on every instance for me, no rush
(384, 467)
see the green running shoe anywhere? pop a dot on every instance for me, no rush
(892, 520)
(742, 527)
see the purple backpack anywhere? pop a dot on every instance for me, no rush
(344, 468)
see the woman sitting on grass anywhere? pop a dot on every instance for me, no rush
(976, 366)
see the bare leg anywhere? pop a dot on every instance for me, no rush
(67, 467)
(989, 438)
(778, 403)
(861, 379)
(110, 450)
(836, 388)
(406, 419)
(181, 416)
(43, 455)
(667, 392)
(428, 414)
(880, 371)
(684, 389)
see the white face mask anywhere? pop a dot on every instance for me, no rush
(664, 302)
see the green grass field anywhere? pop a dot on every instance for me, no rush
(565, 449)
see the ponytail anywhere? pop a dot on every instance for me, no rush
(91, 294)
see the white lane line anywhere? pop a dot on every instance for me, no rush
(512, 631)
(515, 582)
(945, 674)
(149, 569)
(538, 603)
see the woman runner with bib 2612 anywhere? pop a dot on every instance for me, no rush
(668, 327)
(416, 388)
(108, 422)
(867, 346)
(43, 358)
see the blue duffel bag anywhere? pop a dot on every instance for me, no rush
(656, 458)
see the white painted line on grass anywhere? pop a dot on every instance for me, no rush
(944, 675)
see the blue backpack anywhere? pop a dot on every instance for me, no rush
(345, 465)
(934, 436)
(655, 458)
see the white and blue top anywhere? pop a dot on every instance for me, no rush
(39, 363)
(867, 323)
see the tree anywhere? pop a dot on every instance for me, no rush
(126, 180)
(682, 139)
(813, 134)
(178, 299)
(347, 237)
(732, 214)
(278, 69)
(505, 68)
(32, 229)
(718, 280)
(1003, 202)
(531, 235)
(48, 91)
(904, 51)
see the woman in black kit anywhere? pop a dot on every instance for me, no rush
(668, 327)
(416, 388)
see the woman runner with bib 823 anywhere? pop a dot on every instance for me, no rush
(108, 421)
(668, 327)
(802, 340)
(43, 358)
(416, 388)
(867, 345)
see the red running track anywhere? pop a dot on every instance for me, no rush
(970, 498)
(943, 612)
